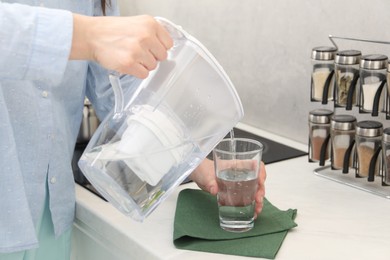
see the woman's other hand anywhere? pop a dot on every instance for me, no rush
(204, 177)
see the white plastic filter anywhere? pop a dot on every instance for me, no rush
(157, 133)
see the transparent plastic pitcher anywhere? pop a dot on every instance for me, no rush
(155, 137)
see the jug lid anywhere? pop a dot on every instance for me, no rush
(178, 33)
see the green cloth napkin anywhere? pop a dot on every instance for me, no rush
(197, 228)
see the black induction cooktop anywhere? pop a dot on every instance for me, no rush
(273, 151)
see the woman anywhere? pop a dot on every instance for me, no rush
(52, 56)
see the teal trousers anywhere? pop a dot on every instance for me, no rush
(49, 248)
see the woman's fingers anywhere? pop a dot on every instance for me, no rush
(128, 45)
(261, 189)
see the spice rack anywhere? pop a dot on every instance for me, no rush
(350, 179)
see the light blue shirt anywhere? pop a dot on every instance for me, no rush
(41, 100)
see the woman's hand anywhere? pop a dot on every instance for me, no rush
(204, 177)
(128, 45)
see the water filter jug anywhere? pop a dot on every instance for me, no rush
(157, 135)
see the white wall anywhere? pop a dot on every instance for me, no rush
(265, 46)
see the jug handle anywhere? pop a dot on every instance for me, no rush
(351, 91)
(375, 106)
(347, 157)
(114, 77)
(325, 93)
(118, 93)
(371, 169)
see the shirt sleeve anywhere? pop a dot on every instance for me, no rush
(35, 42)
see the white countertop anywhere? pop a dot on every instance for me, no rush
(335, 221)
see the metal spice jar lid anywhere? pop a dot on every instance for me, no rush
(348, 57)
(320, 116)
(369, 128)
(343, 122)
(323, 53)
(373, 62)
(386, 135)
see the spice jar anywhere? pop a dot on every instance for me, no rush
(346, 77)
(319, 134)
(388, 92)
(386, 156)
(322, 75)
(368, 141)
(372, 81)
(342, 132)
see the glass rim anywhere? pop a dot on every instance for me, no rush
(248, 140)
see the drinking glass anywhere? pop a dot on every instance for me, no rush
(237, 164)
